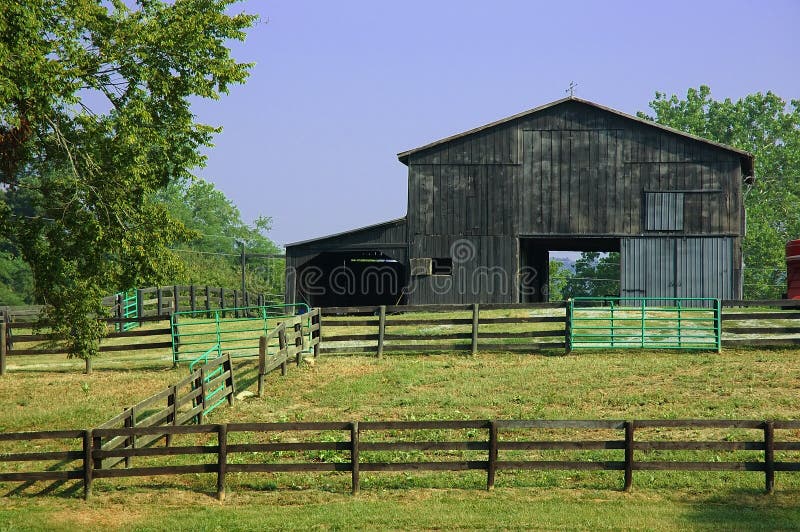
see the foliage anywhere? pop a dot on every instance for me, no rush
(94, 117)
(764, 125)
(16, 282)
(596, 275)
(212, 254)
(560, 274)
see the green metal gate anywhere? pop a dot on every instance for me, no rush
(643, 323)
(230, 330)
(129, 308)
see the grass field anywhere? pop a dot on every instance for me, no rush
(749, 384)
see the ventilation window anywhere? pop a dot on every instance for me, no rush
(663, 211)
(442, 266)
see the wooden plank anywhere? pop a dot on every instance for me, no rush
(289, 467)
(155, 471)
(697, 466)
(41, 435)
(420, 425)
(761, 330)
(300, 425)
(426, 446)
(760, 341)
(559, 445)
(537, 465)
(44, 456)
(463, 465)
(700, 423)
(698, 446)
(41, 475)
(288, 446)
(155, 451)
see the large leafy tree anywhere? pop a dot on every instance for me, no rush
(94, 118)
(769, 128)
(212, 252)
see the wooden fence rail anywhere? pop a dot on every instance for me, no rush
(265, 447)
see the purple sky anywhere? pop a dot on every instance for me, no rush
(339, 88)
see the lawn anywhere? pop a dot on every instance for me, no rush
(742, 383)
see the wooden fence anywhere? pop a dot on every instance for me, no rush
(290, 339)
(396, 329)
(182, 403)
(430, 328)
(265, 448)
(164, 300)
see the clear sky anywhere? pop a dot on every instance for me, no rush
(339, 88)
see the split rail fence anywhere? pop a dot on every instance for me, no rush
(382, 446)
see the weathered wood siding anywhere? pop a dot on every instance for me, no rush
(570, 169)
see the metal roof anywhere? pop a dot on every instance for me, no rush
(403, 156)
(345, 233)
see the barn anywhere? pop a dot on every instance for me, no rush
(487, 206)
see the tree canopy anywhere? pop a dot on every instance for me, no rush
(769, 128)
(95, 117)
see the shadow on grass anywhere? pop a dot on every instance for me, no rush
(747, 510)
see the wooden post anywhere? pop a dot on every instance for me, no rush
(769, 456)
(354, 458)
(130, 422)
(88, 464)
(175, 297)
(208, 302)
(139, 303)
(319, 332)
(222, 299)
(222, 460)
(381, 329)
(475, 322)
(192, 298)
(298, 342)
(3, 346)
(227, 366)
(629, 428)
(159, 300)
(172, 418)
(202, 395)
(568, 328)
(262, 362)
(491, 467)
(282, 347)
(236, 303)
(119, 311)
(97, 443)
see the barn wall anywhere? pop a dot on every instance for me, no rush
(570, 169)
(679, 267)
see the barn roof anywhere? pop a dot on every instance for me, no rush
(403, 156)
(396, 221)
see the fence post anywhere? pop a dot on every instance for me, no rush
(222, 300)
(319, 333)
(354, 458)
(491, 467)
(130, 441)
(119, 311)
(222, 459)
(262, 362)
(159, 300)
(172, 418)
(208, 302)
(175, 298)
(202, 395)
(381, 329)
(97, 443)
(139, 303)
(235, 303)
(769, 455)
(568, 327)
(88, 464)
(629, 428)
(298, 342)
(282, 347)
(475, 322)
(192, 298)
(228, 366)
(3, 346)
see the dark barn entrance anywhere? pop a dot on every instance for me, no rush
(534, 261)
(353, 278)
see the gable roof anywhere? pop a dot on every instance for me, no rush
(746, 156)
(396, 221)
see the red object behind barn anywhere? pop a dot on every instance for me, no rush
(793, 268)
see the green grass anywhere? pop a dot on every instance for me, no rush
(749, 384)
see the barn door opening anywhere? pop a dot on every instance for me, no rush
(536, 284)
(351, 278)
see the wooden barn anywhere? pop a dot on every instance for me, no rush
(485, 208)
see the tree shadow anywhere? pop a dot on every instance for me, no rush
(747, 510)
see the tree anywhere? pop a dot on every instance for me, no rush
(94, 118)
(764, 125)
(596, 275)
(212, 253)
(560, 276)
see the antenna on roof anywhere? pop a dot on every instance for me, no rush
(571, 89)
